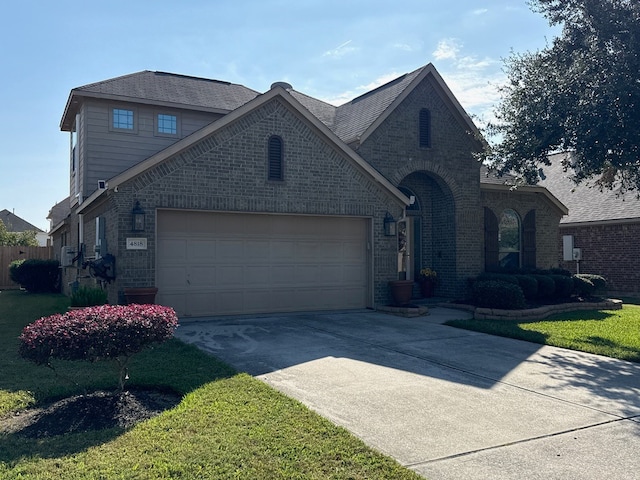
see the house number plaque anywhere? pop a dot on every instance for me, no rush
(136, 243)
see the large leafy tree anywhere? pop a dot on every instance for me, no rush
(581, 94)
(11, 239)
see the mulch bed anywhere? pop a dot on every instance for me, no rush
(93, 411)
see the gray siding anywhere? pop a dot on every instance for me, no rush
(107, 153)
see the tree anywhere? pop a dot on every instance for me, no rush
(580, 95)
(13, 239)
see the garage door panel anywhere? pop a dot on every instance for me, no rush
(172, 276)
(223, 264)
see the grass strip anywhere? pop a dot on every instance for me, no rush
(612, 333)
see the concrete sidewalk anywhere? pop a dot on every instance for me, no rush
(447, 403)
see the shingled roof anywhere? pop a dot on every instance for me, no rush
(162, 88)
(14, 223)
(588, 204)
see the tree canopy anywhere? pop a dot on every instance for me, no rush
(13, 239)
(581, 94)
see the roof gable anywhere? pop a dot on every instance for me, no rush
(14, 223)
(236, 115)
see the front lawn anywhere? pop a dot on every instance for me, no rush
(613, 333)
(228, 425)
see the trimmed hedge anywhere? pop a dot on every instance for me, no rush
(498, 294)
(564, 286)
(97, 333)
(498, 277)
(546, 286)
(598, 281)
(529, 286)
(35, 275)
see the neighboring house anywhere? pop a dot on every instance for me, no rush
(605, 227)
(250, 203)
(15, 224)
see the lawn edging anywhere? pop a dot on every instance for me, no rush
(537, 313)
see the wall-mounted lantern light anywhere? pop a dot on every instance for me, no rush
(137, 217)
(390, 225)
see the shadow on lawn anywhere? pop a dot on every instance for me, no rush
(66, 424)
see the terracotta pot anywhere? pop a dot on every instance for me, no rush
(401, 291)
(426, 289)
(141, 295)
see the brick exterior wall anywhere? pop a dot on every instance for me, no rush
(444, 177)
(227, 172)
(611, 250)
(547, 220)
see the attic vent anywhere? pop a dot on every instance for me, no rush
(285, 85)
(275, 159)
(425, 128)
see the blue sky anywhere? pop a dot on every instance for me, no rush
(333, 50)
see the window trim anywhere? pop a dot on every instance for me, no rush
(271, 160)
(503, 251)
(156, 124)
(113, 128)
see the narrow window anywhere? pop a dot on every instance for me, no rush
(425, 128)
(509, 239)
(167, 124)
(122, 119)
(275, 158)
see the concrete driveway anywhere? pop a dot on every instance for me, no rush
(446, 403)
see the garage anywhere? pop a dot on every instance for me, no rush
(236, 263)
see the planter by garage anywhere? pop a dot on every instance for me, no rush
(140, 295)
(401, 291)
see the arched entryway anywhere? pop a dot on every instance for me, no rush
(429, 230)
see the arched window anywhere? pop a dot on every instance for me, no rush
(424, 132)
(509, 239)
(275, 158)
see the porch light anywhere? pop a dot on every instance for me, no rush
(390, 225)
(137, 217)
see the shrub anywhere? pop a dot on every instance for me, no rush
(583, 286)
(498, 277)
(598, 281)
(36, 276)
(529, 286)
(97, 333)
(498, 294)
(564, 285)
(85, 296)
(546, 286)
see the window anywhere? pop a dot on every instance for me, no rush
(122, 119)
(167, 124)
(275, 154)
(509, 240)
(425, 128)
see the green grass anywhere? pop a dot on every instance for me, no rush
(228, 424)
(613, 333)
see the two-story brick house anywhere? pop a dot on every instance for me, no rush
(279, 201)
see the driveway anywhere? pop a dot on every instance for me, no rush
(446, 403)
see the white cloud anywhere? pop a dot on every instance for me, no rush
(480, 11)
(340, 50)
(403, 46)
(447, 48)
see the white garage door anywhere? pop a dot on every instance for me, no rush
(223, 264)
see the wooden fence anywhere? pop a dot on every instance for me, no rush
(9, 254)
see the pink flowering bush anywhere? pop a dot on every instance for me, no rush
(97, 333)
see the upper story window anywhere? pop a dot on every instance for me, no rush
(122, 119)
(275, 158)
(509, 241)
(424, 128)
(166, 124)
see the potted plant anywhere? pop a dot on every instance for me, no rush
(428, 279)
(86, 296)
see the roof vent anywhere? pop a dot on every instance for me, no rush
(285, 85)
